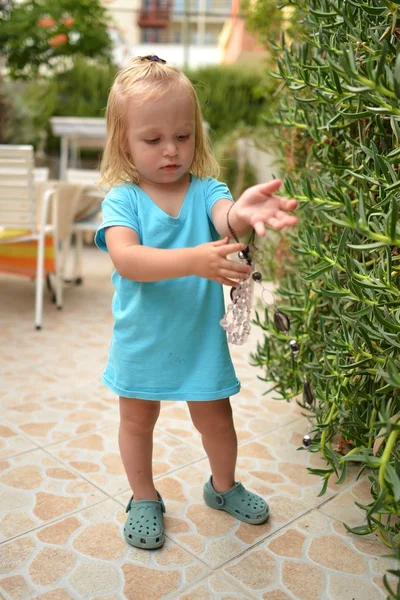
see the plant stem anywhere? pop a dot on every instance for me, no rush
(386, 456)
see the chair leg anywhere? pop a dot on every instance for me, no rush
(78, 257)
(58, 277)
(65, 253)
(39, 282)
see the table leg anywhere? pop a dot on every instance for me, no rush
(64, 157)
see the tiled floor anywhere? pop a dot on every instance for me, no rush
(64, 488)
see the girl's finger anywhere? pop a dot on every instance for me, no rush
(226, 281)
(237, 267)
(230, 248)
(228, 274)
(279, 222)
(221, 242)
(270, 187)
(289, 204)
(259, 228)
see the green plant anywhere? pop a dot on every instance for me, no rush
(229, 96)
(40, 35)
(82, 90)
(339, 120)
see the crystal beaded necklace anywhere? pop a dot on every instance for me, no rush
(236, 321)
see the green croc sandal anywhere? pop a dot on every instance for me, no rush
(144, 527)
(238, 502)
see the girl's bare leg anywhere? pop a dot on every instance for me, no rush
(137, 421)
(214, 421)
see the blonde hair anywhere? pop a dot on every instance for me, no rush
(149, 79)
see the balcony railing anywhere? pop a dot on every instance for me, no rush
(155, 15)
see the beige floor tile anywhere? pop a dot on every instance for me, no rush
(214, 536)
(52, 418)
(254, 415)
(309, 560)
(277, 461)
(62, 535)
(215, 587)
(13, 442)
(35, 489)
(96, 457)
(343, 506)
(85, 556)
(56, 418)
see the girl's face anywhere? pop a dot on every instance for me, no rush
(161, 136)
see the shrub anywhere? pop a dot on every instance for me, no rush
(81, 91)
(340, 111)
(39, 35)
(229, 96)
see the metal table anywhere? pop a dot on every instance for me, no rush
(75, 133)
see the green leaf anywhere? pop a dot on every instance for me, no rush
(341, 222)
(372, 246)
(343, 474)
(396, 77)
(392, 220)
(387, 324)
(357, 90)
(332, 294)
(394, 186)
(315, 274)
(324, 486)
(394, 480)
(359, 530)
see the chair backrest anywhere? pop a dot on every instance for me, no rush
(40, 174)
(17, 199)
(83, 176)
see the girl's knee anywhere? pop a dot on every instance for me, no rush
(212, 418)
(139, 416)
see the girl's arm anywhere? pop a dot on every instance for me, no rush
(144, 263)
(256, 207)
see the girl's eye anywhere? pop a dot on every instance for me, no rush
(181, 138)
(152, 141)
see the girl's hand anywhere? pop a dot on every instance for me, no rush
(258, 206)
(210, 261)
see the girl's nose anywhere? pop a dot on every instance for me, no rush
(170, 149)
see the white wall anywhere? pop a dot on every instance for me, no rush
(174, 54)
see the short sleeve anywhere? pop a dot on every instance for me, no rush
(215, 191)
(119, 207)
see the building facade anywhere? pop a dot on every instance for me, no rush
(183, 32)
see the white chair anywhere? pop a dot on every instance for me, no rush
(18, 215)
(40, 174)
(91, 223)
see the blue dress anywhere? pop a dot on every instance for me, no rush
(167, 343)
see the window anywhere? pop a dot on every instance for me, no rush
(150, 35)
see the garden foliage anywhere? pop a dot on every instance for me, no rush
(230, 97)
(40, 35)
(339, 122)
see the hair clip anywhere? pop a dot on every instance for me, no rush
(153, 58)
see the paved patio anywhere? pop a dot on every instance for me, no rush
(64, 488)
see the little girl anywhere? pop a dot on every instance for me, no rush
(162, 223)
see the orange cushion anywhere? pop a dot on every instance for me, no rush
(20, 258)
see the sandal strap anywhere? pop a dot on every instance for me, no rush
(160, 502)
(223, 496)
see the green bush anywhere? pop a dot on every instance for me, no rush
(40, 36)
(339, 122)
(229, 96)
(81, 91)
